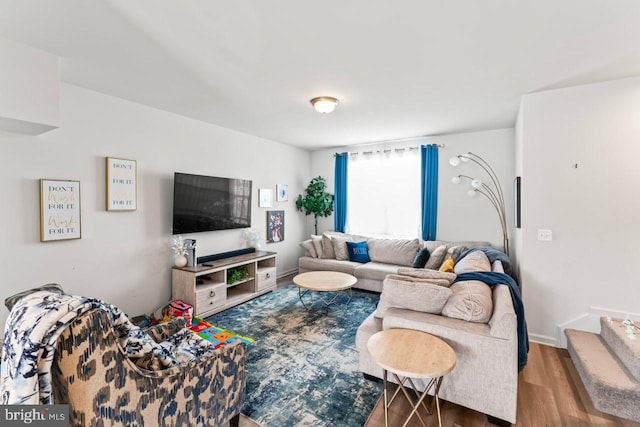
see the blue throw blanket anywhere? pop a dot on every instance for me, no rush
(492, 279)
(493, 255)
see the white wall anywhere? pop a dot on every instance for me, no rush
(29, 89)
(459, 216)
(125, 257)
(589, 267)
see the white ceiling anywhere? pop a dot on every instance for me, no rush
(400, 69)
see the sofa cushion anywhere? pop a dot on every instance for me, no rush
(317, 264)
(358, 252)
(412, 294)
(421, 258)
(317, 244)
(310, 250)
(375, 271)
(454, 252)
(327, 247)
(433, 244)
(437, 257)
(475, 261)
(471, 301)
(393, 251)
(340, 247)
(434, 276)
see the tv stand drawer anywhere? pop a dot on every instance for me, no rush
(211, 298)
(266, 278)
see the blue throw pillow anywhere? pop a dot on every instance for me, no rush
(358, 252)
(421, 258)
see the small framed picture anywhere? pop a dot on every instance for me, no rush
(265, 198)
(122, 184)
(275, 226)
(282, 193)
(59, 210)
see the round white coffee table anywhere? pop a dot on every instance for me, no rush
(411, 354)
(321, 282)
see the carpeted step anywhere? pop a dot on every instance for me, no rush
(609, 383)
(613, 332)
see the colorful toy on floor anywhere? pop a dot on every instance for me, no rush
(217, 336)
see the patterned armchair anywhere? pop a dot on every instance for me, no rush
(91, 373)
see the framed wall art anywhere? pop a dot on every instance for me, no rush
(265, 198)
(275, 226)
(59, 210)
(282, 193)
(122, 184)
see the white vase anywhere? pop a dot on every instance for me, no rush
(181, 261)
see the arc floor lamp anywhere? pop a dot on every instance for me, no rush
(491, 190)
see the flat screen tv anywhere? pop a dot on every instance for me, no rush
(206, 203)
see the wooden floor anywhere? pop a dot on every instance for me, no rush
(550, 393)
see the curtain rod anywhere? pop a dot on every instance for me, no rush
(384, 150)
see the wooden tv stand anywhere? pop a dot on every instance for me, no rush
(206, 287)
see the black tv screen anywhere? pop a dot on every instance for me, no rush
(206, 203)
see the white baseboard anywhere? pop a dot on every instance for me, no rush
(287, 273)
(543, 339)
(590, 322)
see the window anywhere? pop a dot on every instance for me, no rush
(384, 193)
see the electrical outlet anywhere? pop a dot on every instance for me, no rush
(545, 235)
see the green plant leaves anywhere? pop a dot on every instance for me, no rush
(316, 201)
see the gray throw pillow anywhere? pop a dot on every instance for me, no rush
(327, 247)
(317, 244)
(340, 247)
(454, 252)
(309, 248)
(436, 258)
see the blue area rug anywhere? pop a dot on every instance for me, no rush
(302, 369)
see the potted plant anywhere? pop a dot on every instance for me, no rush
(315, 201)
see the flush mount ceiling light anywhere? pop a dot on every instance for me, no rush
(324, 104)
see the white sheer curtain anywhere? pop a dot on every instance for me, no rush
(383, 195)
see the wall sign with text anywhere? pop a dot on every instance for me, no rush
(59, 210)
(122, 184)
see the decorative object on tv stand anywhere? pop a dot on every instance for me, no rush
(252, 238)
(265, 198)
(282, 193)
(122, 184)
(316, 201)
(59, 210)
(190, 249)
(179, 246)
(275, 226)
(492, 191)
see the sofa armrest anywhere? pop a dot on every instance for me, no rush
(163, 331)
(503, 321)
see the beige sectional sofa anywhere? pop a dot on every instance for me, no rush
(485, 377)
(478, 322)
(387, 256)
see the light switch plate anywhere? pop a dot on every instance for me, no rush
(545, 235)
